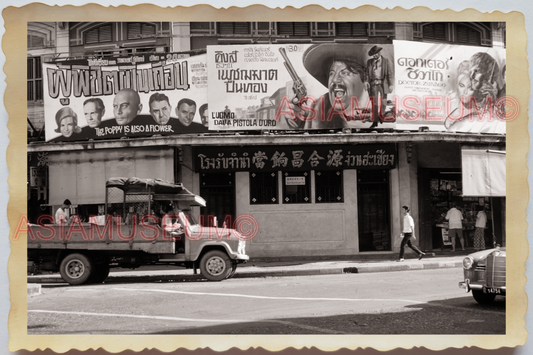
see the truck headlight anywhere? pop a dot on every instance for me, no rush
(468, 262)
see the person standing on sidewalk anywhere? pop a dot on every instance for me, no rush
(481, 224)
(408, 231)
(455, 227)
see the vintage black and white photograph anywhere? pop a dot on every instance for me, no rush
(269, 178)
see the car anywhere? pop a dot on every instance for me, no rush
(484, 274)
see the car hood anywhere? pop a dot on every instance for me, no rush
(482, 254)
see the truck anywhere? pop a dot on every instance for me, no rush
(129, 234)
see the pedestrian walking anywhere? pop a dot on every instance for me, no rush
(455, 226)
(481, 224)
(408, 231)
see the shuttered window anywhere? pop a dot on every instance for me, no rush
(140, 30)
(34, 79)
(435, 31)
(467, 35)
(202, 27)
(99, 34)
(293, 28)
(35, 41)
(233, 28)
(351, 29)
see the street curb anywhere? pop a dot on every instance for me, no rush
(34, 289)
(362, 269)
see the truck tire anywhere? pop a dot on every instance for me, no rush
(215, 265)
(233, 269)
(483, 298)
(76, 269)
(100, 273)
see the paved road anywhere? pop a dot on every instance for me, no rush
(414, 302)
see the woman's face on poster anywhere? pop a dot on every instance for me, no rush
(463, 86)
(67, 126)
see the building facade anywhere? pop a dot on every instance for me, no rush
(348, 202)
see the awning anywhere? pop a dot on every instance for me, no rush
(483, 172)
(160, 189)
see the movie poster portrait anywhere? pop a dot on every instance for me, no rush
(131, 96)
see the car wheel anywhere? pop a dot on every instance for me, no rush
(76, 269)
(483, 298)
(215, 265)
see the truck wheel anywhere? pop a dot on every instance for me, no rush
(215, 265)
(483, 298)
(233, 269)
(100, 273)
(75, 269)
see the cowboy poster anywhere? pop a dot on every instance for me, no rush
(300, 86)
(129, 96)
(450, 87)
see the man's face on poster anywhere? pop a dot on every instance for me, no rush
(126, 106)
(160, 111)
(343, 85)
(205, 122)
(93, 115)
(186, 113)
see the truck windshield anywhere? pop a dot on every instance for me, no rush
(190, 219)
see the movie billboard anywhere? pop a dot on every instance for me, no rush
(300, 86)
(129, 96)
(449, 87)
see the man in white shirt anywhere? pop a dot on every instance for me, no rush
(62, 214)
(408, 231)
(455, 225)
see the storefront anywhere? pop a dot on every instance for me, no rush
(442, 172)
(303, 199)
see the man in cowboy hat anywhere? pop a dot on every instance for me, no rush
(341, 70)
(378, 82)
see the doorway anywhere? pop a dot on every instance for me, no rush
(373, 210)
(218, 190)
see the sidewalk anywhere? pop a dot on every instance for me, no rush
(268, 268)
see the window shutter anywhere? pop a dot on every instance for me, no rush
(242, 28)
(285, 28)
(359, 29)
(474, 37)
(301, 28)
(440, 31)
(105, 33)
(225, 28)
(462, 34)
(148, 29)
(134, 30)
(91, 36)
(344, 29)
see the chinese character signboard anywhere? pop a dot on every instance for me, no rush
(133, 96)
(450, 87)
(295, 158)
(300, 87)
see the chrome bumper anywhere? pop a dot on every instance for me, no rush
(468, 286)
